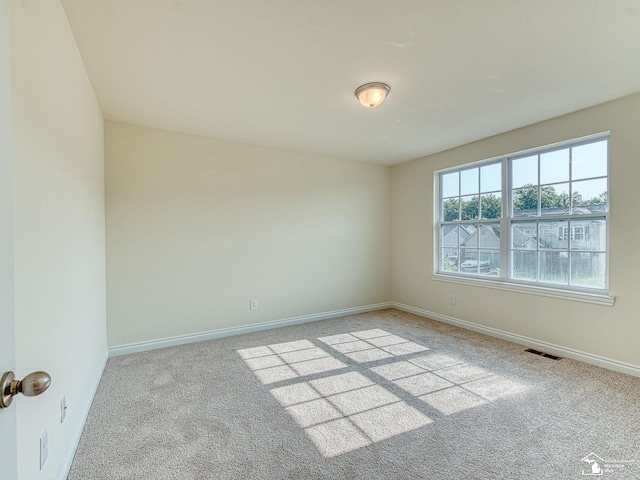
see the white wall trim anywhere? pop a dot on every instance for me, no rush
(67, 460)
(552, 348)
(594, 298)
(227, 332)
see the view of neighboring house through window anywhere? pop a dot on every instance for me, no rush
(534, 218)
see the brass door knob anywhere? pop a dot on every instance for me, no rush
(33, 384)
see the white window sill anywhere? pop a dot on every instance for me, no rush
(594, 298)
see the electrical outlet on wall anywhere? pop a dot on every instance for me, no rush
(253, 304)
(63, 408)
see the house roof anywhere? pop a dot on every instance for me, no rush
(584, 210)
(283, 73)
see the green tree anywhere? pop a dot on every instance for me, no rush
(604, 197)
(491, 206)
(526, 198)
(469, 209)
(448, 265)
(552, 199)
(599, 200)
(451, 208)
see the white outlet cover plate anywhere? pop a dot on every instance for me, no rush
(44, 448)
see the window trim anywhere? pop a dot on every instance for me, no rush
(599, 296)
(488, 282)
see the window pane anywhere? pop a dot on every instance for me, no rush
(451, 184)
(554, 267)
(590, 196)
(589, 235)
(554, 235)
(450, 259)
(554, 166)
(469, 236)
(469, 181)
(554, 199)
(491, 205)
(525, 265)
(490, 236)
(489, 262)
(525, 202)
(491, 178)
(589, 160)
(524, 171)
(469, 206)
(524, 235)
(451, 209)
(588, 269)
(469, 259)
(449, 236)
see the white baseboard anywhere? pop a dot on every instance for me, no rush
(227, 332)
(552, 348)
(67, 460)
(560, 350)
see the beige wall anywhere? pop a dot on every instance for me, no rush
(610, 332)
(197, 227)
(59, 247)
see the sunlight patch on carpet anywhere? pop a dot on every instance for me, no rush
(342, 411)
(345, 412)
(370, 345)
(453, 400)
(284, 361)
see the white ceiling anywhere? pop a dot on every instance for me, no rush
(282, 73)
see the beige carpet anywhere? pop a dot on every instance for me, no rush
(382, 395)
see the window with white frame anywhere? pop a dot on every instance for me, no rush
(538, 217)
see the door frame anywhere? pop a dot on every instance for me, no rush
(8, 428)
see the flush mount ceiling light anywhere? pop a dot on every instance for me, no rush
(372, 94)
